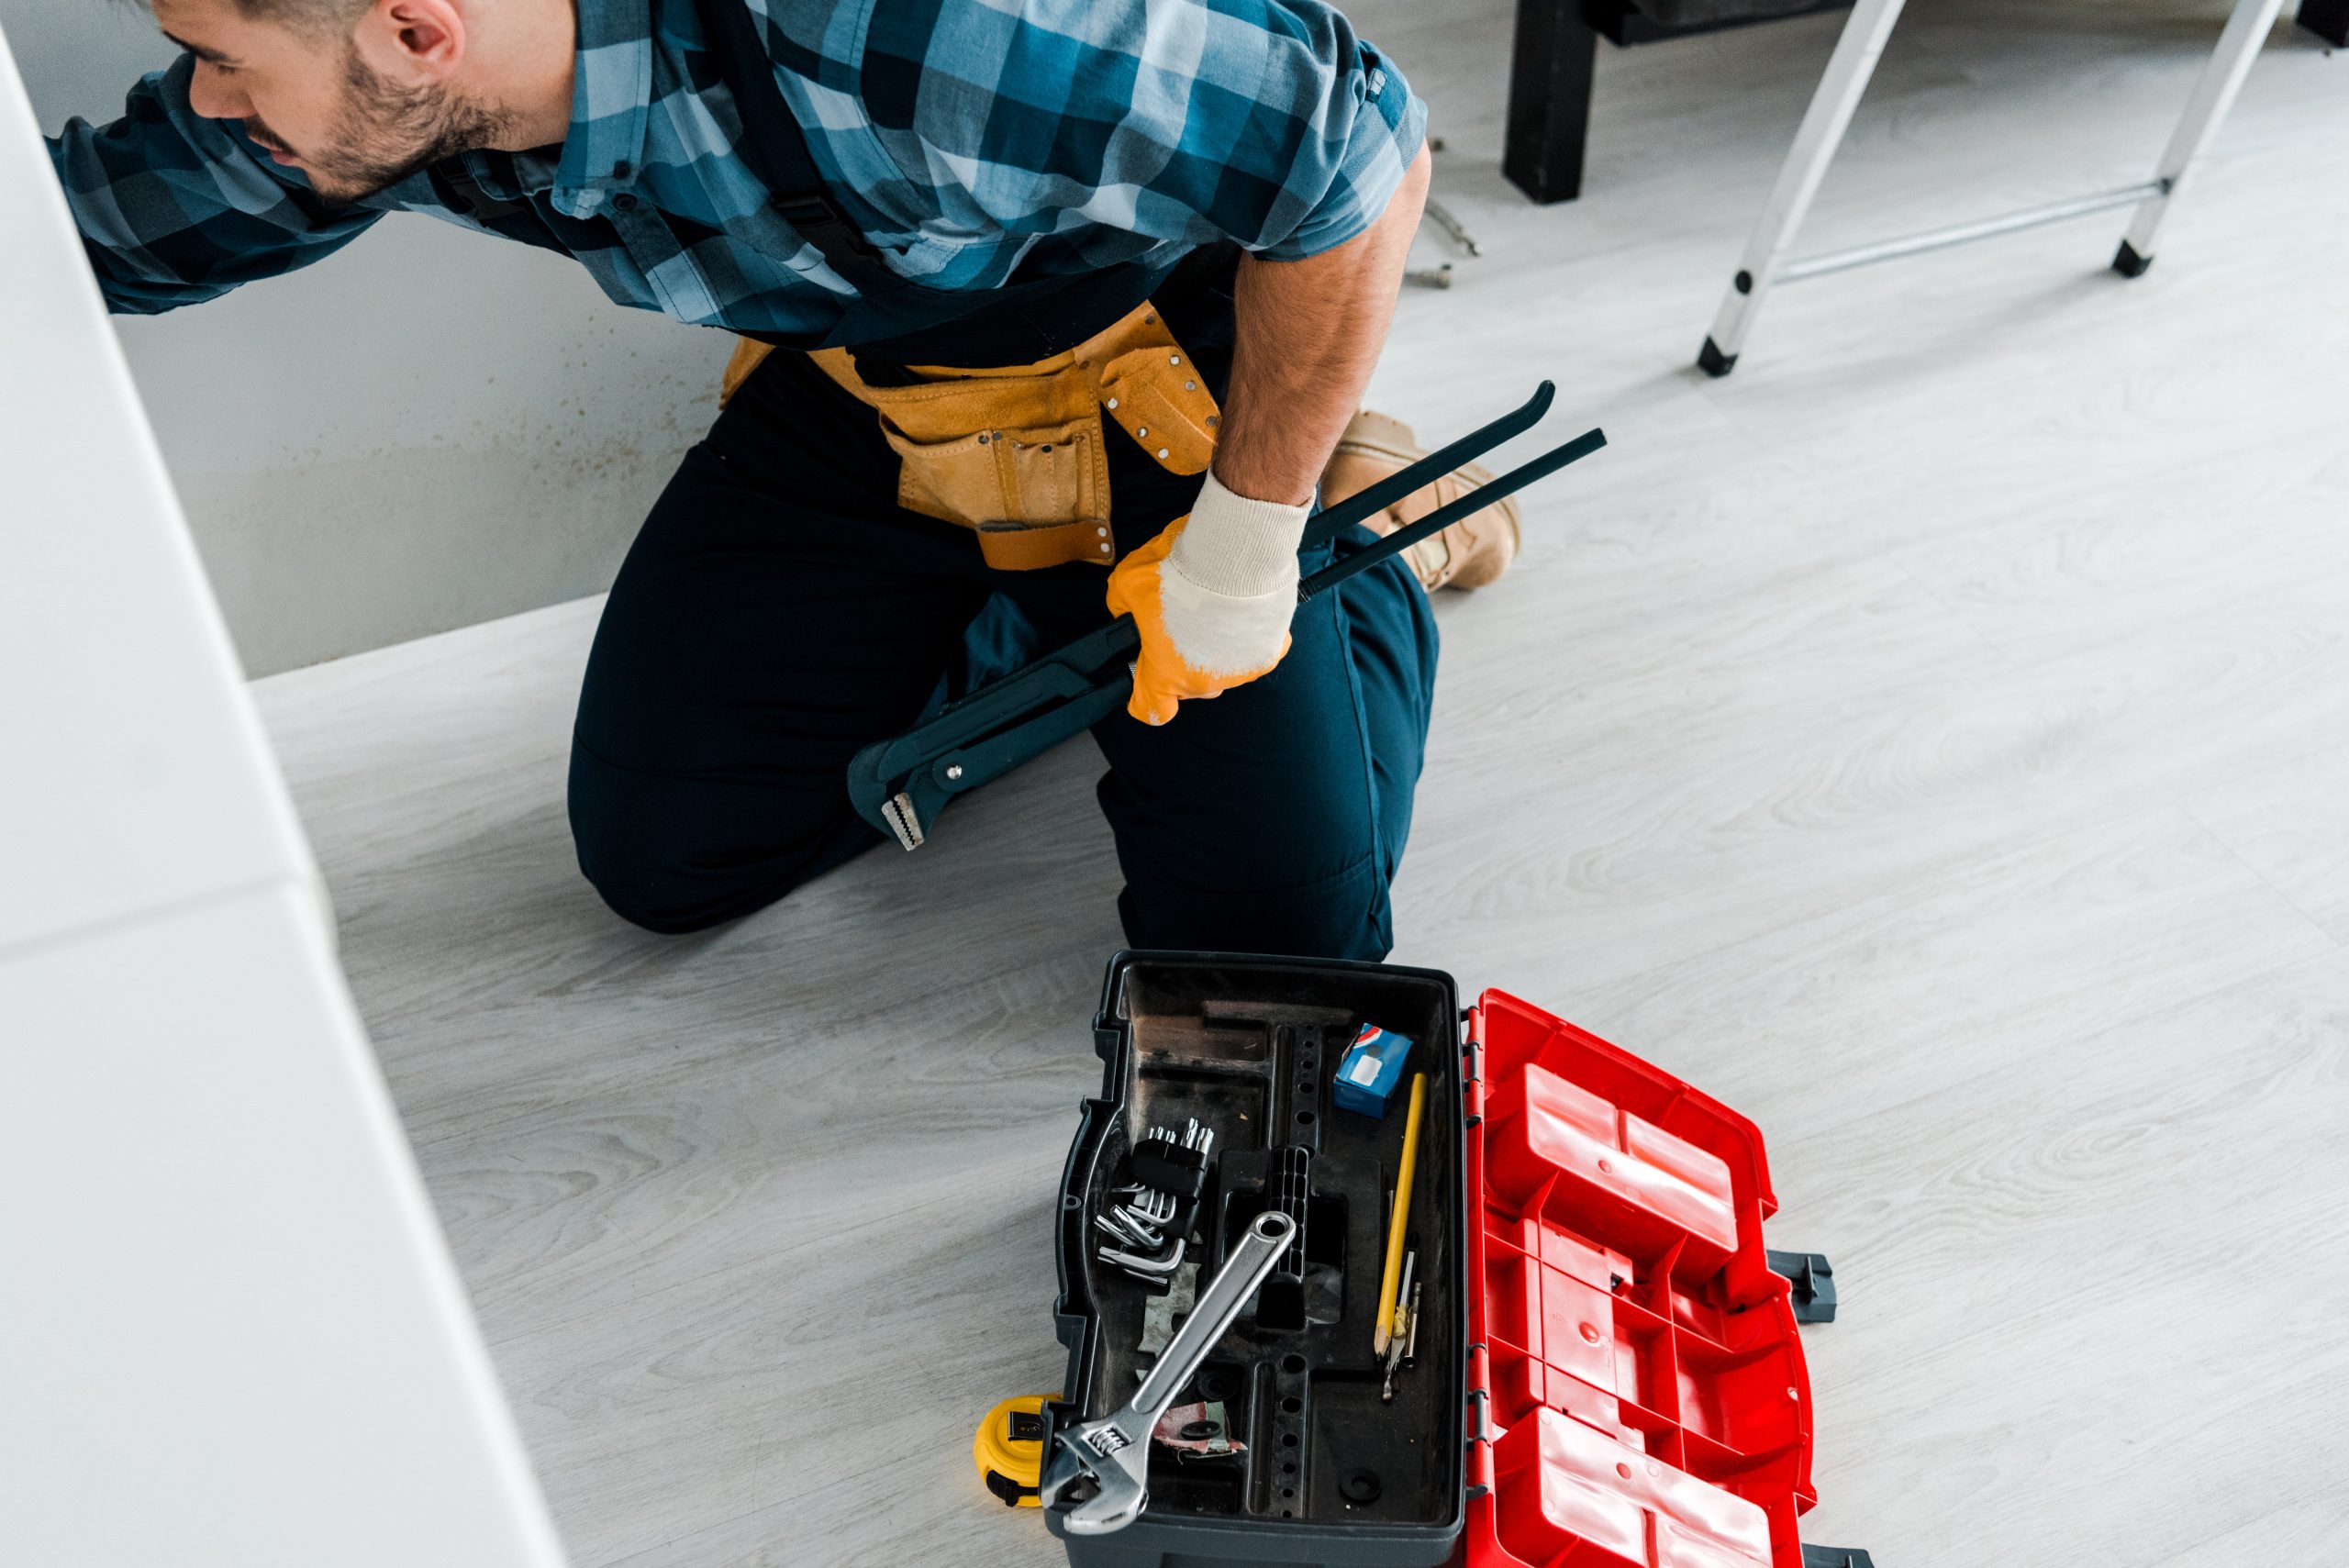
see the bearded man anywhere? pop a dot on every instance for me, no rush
(1061, 305)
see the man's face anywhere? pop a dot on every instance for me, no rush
(355, 110)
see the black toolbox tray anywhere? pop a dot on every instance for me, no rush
(1248, 1045)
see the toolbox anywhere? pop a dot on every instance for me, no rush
(1603, 1368)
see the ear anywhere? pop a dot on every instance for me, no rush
(414, 43)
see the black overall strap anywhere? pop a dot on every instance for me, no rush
(459, 192)
(894, 319)
(777, 152)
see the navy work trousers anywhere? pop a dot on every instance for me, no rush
(779, 610)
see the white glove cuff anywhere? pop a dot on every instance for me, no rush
(1239, 548)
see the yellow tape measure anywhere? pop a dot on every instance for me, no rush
(1010, 1449)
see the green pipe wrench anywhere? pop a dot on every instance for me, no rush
(900, 785)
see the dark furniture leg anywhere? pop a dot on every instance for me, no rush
(1623, 23)
(1550, 76)
(2328, 19)
(1549, 98)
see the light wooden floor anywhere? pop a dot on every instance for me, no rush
(1931, 739)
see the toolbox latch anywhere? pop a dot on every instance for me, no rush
(1814, 1302)
(1835, 1557)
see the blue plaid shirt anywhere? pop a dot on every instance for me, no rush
(965, 137)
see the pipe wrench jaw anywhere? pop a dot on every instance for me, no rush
(903, 819)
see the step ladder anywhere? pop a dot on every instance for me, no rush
(1767, 261)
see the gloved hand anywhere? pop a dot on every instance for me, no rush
(1212, 596)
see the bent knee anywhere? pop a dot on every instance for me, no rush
(675, 855)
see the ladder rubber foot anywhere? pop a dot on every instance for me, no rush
(1714, 363)
(2128, 263)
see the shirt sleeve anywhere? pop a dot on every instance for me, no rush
(1267, 122)
(175, 208)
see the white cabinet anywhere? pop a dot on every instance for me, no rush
(230, 1332)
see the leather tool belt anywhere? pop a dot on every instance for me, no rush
(1017, 453)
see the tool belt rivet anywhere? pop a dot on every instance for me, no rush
(1113, 403)
(1173, 359)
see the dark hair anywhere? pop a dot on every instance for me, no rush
(317, 15)
(309, 15)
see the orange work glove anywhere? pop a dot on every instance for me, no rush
(1212, 596)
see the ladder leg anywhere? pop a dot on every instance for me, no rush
(1821, 132)
(2214, 94)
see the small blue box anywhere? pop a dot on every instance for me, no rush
(1370, 1071)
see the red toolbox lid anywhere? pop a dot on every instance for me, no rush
(1639, 1396)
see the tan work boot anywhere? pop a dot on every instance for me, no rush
(1472, 552)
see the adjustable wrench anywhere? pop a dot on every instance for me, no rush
(1114, 1451)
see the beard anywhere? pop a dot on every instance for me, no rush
(390, 132)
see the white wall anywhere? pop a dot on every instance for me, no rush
(231, 1335)
(424, 430)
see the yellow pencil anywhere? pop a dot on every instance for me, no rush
(1391, 1278)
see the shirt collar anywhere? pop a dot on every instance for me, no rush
(611, 94)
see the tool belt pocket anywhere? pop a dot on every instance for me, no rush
(1036, 495)
(1019, 454)
(1155, 392)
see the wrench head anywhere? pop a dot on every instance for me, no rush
(1116, 1463)
(1112, 1453)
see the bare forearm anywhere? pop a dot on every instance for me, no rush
(1310, 334)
